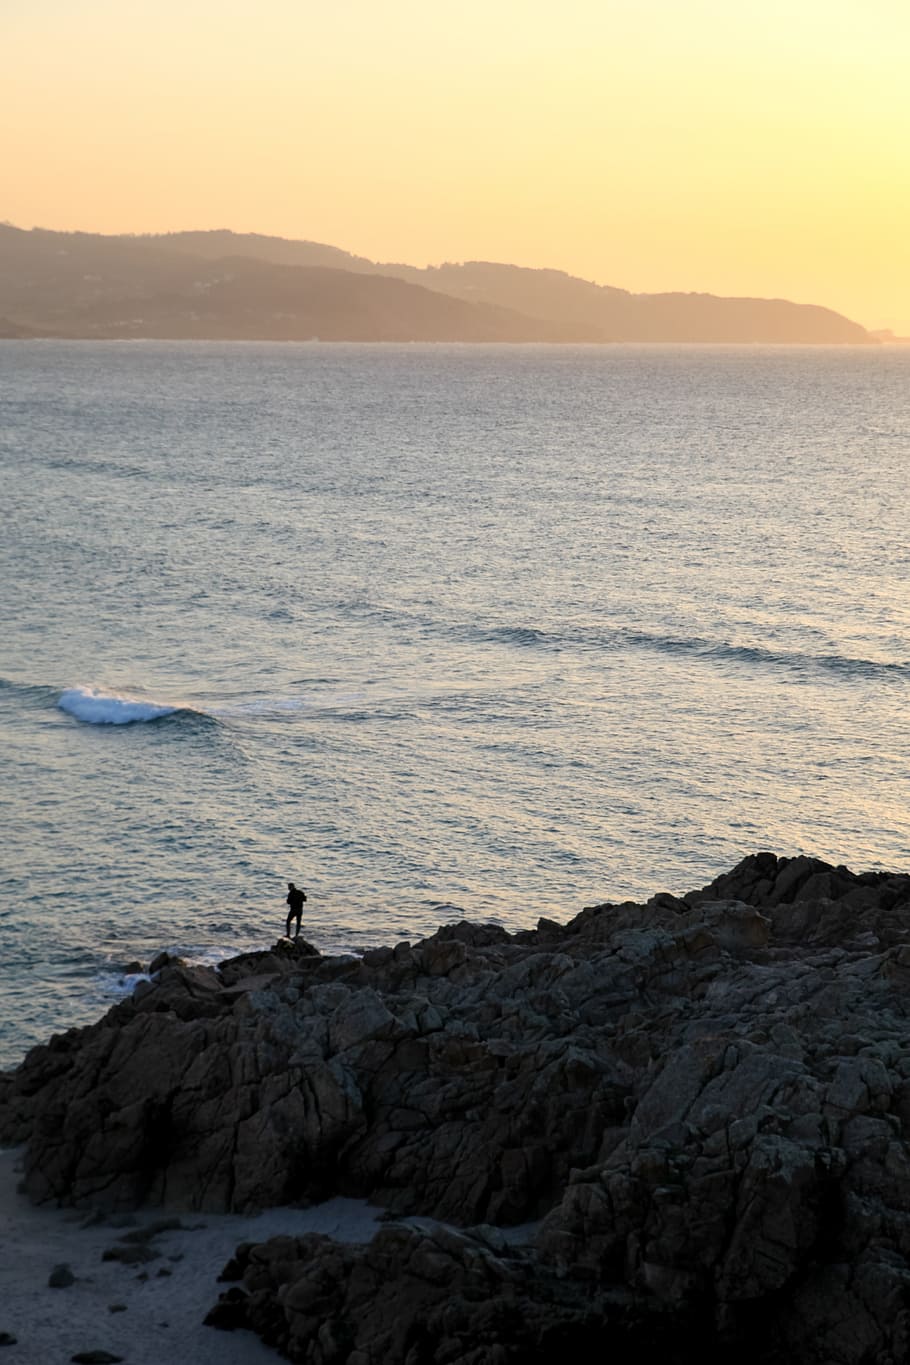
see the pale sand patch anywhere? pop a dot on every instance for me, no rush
(162, 1324)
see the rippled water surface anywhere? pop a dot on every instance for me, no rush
(432, 629)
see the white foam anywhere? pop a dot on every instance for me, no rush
(94, 707)
(265, 706)
(120, 986)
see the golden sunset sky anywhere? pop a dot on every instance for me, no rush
(758, 148)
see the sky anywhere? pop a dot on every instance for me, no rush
(754, 148)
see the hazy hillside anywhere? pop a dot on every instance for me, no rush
(219, 242)
(225, 285)
(613, 314)
(82, 285)
(621, 316)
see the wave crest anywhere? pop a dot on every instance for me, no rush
(95, 707)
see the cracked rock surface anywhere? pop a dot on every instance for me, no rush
(706, 1100)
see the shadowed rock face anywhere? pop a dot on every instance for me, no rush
(433, 1295)
(707, 1100)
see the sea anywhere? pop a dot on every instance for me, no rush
(434, 631)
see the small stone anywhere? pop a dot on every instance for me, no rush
(7, 1339)
(165, 1270)
(61, 1277)
(116, 1308)
(177, 1256)
(96, 1358)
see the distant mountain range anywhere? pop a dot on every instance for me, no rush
(224, 285)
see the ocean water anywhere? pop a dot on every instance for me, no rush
(432, 630)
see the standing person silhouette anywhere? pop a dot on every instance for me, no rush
(295, 899)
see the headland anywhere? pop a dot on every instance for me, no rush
(679, 1126)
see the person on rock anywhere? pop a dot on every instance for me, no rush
(295, 899)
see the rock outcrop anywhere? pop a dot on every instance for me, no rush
(706, 1100)
(436, 1294)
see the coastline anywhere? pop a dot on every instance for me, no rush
(705, 1099)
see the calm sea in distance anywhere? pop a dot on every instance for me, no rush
(494, 631)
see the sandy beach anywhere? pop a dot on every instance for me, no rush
(145, 1313)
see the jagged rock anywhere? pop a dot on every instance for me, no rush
(277, 961)
(163, 960)
(706, 1098)
(474, 935)
(433, 1295)
(229, 1313)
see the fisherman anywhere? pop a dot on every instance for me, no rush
(295, 900)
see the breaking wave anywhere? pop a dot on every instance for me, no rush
(94, 707)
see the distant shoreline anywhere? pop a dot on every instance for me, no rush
(224, 285)
(872, 344)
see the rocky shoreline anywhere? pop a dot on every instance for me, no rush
(703, 1102)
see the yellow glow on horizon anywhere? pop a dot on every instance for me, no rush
(758, 149)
